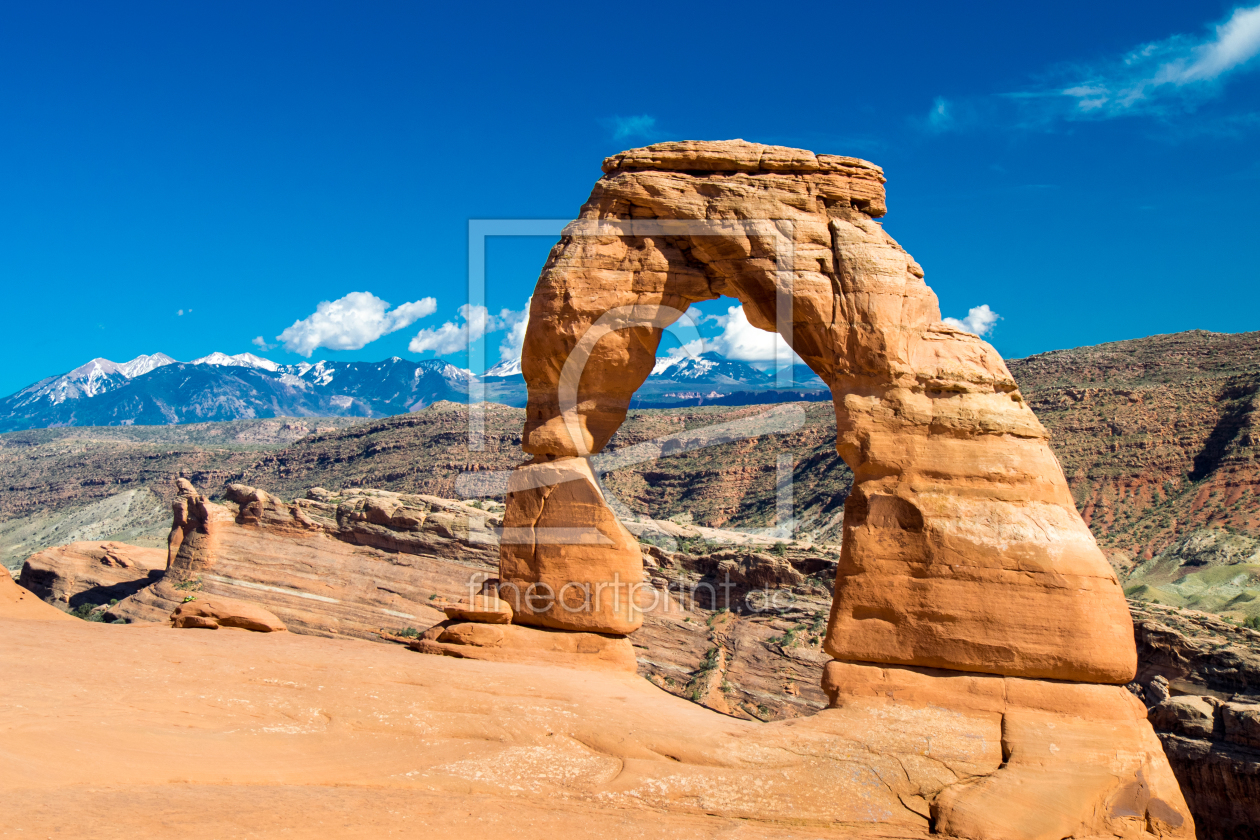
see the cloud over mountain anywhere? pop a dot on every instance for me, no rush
(351, 322)
(739, 341)
(474, 322)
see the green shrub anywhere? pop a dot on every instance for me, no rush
(85, 612)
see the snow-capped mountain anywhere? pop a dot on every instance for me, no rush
(141, 365)
(505, 369)
(157, 389)
(248, 360)
(88, 380)
(708, 368)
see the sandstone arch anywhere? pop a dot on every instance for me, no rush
(963, 549)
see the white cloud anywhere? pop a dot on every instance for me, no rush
(1161, 79)
(1166, 75)
(980, 320)
(637, 126)
(1237, 41)
(738, 341)
(515, 324)
(940, 117)
(351, 322)
(475, 322)
(261, 343)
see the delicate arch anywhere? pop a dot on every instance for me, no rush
(962, 545)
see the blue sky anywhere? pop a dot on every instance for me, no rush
(1088, 171)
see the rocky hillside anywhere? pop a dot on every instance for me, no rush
(67, 484)
(1158, 436)
(1211, 569)
(691, 474)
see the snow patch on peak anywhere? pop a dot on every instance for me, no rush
(246, 360)
(510, 368)
(294, 381)
(458, 373)
(321, 372)
(141, 365)
(87, 380)
(664, 363)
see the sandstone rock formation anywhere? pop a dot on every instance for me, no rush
(963, 549)
(1056, 772)
(346, 739)
(566, 561)
(213, 612)
(367, 560)
(484, 609)
(91, 572)
(498, 642)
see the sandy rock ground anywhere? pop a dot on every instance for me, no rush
(146, 731)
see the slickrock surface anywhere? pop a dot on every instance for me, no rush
(16, 602)
(769, 664)
(759, 658)
(91, 572)
(963, 548)
(141, 732)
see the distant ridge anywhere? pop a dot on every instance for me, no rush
(158, 390)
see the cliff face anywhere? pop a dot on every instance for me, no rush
(1200, 676)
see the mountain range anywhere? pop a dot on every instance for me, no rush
(158, 390)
